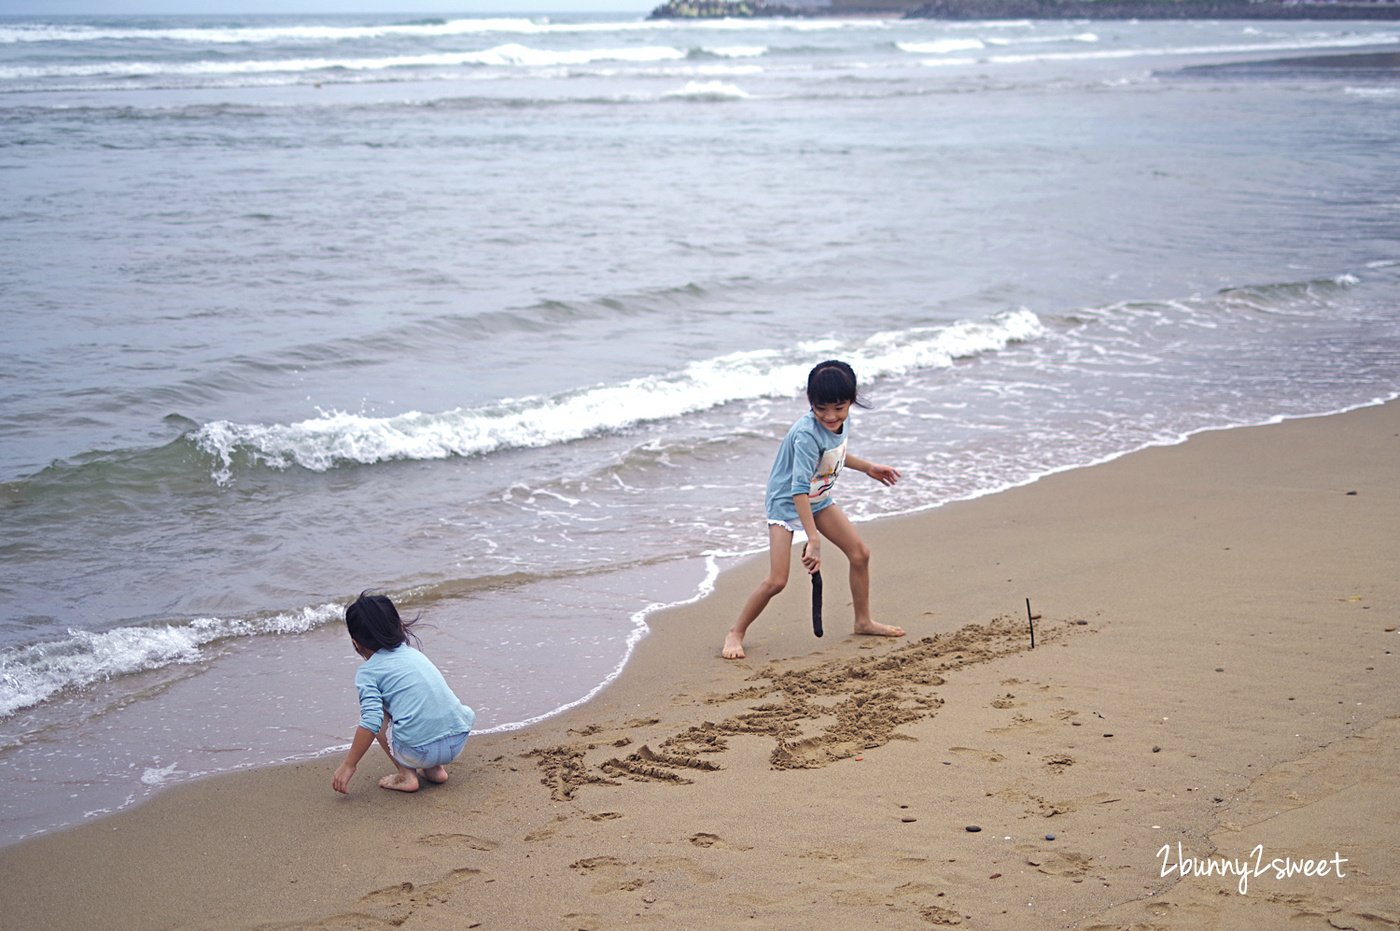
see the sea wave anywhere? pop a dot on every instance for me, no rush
(1301, 43)
(337, 437)
(735, 51)
(941, 46)
(302, 33)
(250, 35)
(944, 46)
(708, 90)
(511, 54)
(31, 674)
(1035, 40)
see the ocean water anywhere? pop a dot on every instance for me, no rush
(505, 316)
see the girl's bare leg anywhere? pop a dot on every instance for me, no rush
(779, 561)
(833, 524)
(405, 780)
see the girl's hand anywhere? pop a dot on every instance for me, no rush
(812, 556)
(343, 775)
(885, 475)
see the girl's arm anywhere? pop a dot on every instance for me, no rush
(812, 552)
(364, 739)
(885, 475)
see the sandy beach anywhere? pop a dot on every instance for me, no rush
(1206, 735)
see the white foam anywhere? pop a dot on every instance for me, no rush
(502, 55)
(1300, 44)
(708, 90)
(523, 55)
(319, 33)
(338, 437)
(1372, 91)
(941, 46)
(30, 675)
(1040, 40)
(738, 51)
(37, 32)
(153, 776)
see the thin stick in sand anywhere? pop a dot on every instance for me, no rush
(817, 603)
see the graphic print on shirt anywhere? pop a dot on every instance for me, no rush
(828, 467)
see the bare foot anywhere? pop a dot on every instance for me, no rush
(874, 629)
(436, 774)
(733, 646)
(400, 782)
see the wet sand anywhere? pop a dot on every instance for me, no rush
(1212, 691)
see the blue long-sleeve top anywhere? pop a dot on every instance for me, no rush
(407, 686)
(808, 461)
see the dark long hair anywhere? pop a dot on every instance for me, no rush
(374, 623)
(833, 382)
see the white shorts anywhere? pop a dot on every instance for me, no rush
(794, 525)
(438, 753)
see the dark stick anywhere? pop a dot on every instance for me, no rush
(817, 603)
(1030, 619)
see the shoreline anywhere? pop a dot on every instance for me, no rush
(1202, 572)
(684, 582)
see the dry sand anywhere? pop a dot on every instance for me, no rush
(1214, 676)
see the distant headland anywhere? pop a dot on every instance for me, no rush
(1034, 9)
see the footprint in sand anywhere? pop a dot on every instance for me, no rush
(547, 831)
(394, 905)
(690, 870)
(1058, 863)
(986, 756)
(940, 916)
(471, 842)
(714, 840)
(589, 864)
(588, 731)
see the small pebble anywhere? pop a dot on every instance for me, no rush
(908, 819)
(995, 876)
(1049, 836)
(973, 829)
(1156, 749)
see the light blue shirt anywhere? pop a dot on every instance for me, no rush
(808, 461)
(407, 686)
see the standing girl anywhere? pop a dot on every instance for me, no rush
(404, 701)
(799, 498)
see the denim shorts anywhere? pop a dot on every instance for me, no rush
(438, 753)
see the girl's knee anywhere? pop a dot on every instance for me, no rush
(772, 585)
(859, 555)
